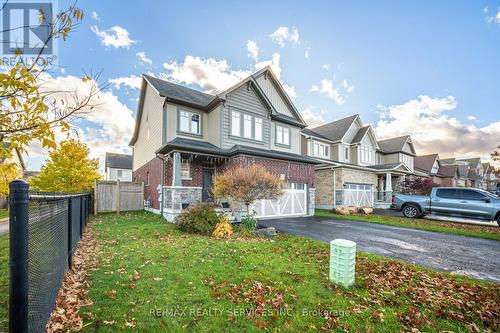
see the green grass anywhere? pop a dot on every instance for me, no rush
(4, 283)
(4, 213)
(200, 284)
(421, 224)
(158, 279)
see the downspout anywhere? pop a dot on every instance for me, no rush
(334, 191)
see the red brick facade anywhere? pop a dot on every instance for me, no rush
(292, 171)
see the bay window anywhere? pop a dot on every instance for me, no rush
(282, 135)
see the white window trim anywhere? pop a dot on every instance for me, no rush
(190, 122)
(241, 124)
(326, 147)
(280, 139)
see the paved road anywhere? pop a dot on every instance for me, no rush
(4, 227)
(474, 257)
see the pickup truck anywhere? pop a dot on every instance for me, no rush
(451, 201)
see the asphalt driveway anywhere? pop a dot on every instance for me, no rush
(474, 257)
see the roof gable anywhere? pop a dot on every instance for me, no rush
(396, 145)
(337, 129)
(474, 162)
(448, 171)
(425, 162)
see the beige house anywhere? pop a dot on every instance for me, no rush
(356, 169)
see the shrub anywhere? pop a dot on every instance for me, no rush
(248, 222)
(223, 229)
(199, 218)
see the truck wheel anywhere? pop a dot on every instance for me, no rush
(411, 211)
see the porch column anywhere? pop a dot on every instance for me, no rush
(388, 186)
(176, 176)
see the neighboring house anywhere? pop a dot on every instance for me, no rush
(463, 175)
(490, 178)
(476, 172)
(118, 167)
(442, 171)
(184, 137)
(356, 169)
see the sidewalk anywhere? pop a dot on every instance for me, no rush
(4, 226)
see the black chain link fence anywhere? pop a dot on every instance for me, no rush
(44, 231)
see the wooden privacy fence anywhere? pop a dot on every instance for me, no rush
(117, 196)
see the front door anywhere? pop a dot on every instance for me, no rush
(208, 178)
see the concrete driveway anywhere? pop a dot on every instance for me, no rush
(474, 257)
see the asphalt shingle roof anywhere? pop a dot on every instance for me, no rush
(384, 166)
(309, 132)
(425, 162)
(393, 145)
(463, 170)
(447, 171)
(118, 161)
(335, 130)
(208, 148)
(472, 161)
(180, 93)
(360, 134)
(447, 161)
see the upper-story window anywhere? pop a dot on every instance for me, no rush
(190, 122)
(346, 153)
(119, 173)
(408, 160)
(435, 168)
(367, 155)
(246, 125)
(321, 149)
(282, 135)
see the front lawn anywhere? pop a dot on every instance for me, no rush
(4, 283)
(152, 277)
(4, 213)
(422, 224)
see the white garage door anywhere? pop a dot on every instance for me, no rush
(358, 195)
(292, 203)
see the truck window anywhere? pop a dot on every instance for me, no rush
(447, 193)
(472, 195)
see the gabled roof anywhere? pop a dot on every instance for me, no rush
(197, 146)
(361, 134)
(336, 130)
(386, 166)
(463, 170)
(444, 161)
(309, 132)
(394, 145)
(474, 162)
(118, 161)
(179, 93)
(425, 162)
(447, 171)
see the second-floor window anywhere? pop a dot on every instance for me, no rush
(408, 160)
(367, 154)
(320, 149)
(119, 173)
(246, 125)
(346, 153)
(190, 122)
(282, 135)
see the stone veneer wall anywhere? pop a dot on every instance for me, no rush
(176, 196)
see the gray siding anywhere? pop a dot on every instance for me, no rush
(244, 99)
(273, 95)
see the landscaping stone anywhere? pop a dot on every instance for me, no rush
(266, 232)
(346, 210)
(365, 210)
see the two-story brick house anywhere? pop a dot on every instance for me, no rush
(184, 137)
(356, 168)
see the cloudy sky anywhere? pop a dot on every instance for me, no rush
(426, 68)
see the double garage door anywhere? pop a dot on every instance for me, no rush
(293, 202)
(358, 195)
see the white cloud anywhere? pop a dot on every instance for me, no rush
(485, 9)
(116, 37)
(313, 117)
(95, 16)
(132, 82)
(285, 34)
(253, 50)
(290, 91)
(433, 130)
(337, 94)
(210, 74)
(326, 66)
(141, 56)
(493, 19)
(104, 125)
(307, 52)
(471, 118)
(274, 63)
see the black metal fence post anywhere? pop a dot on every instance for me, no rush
(18, 264)
(70, 234)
